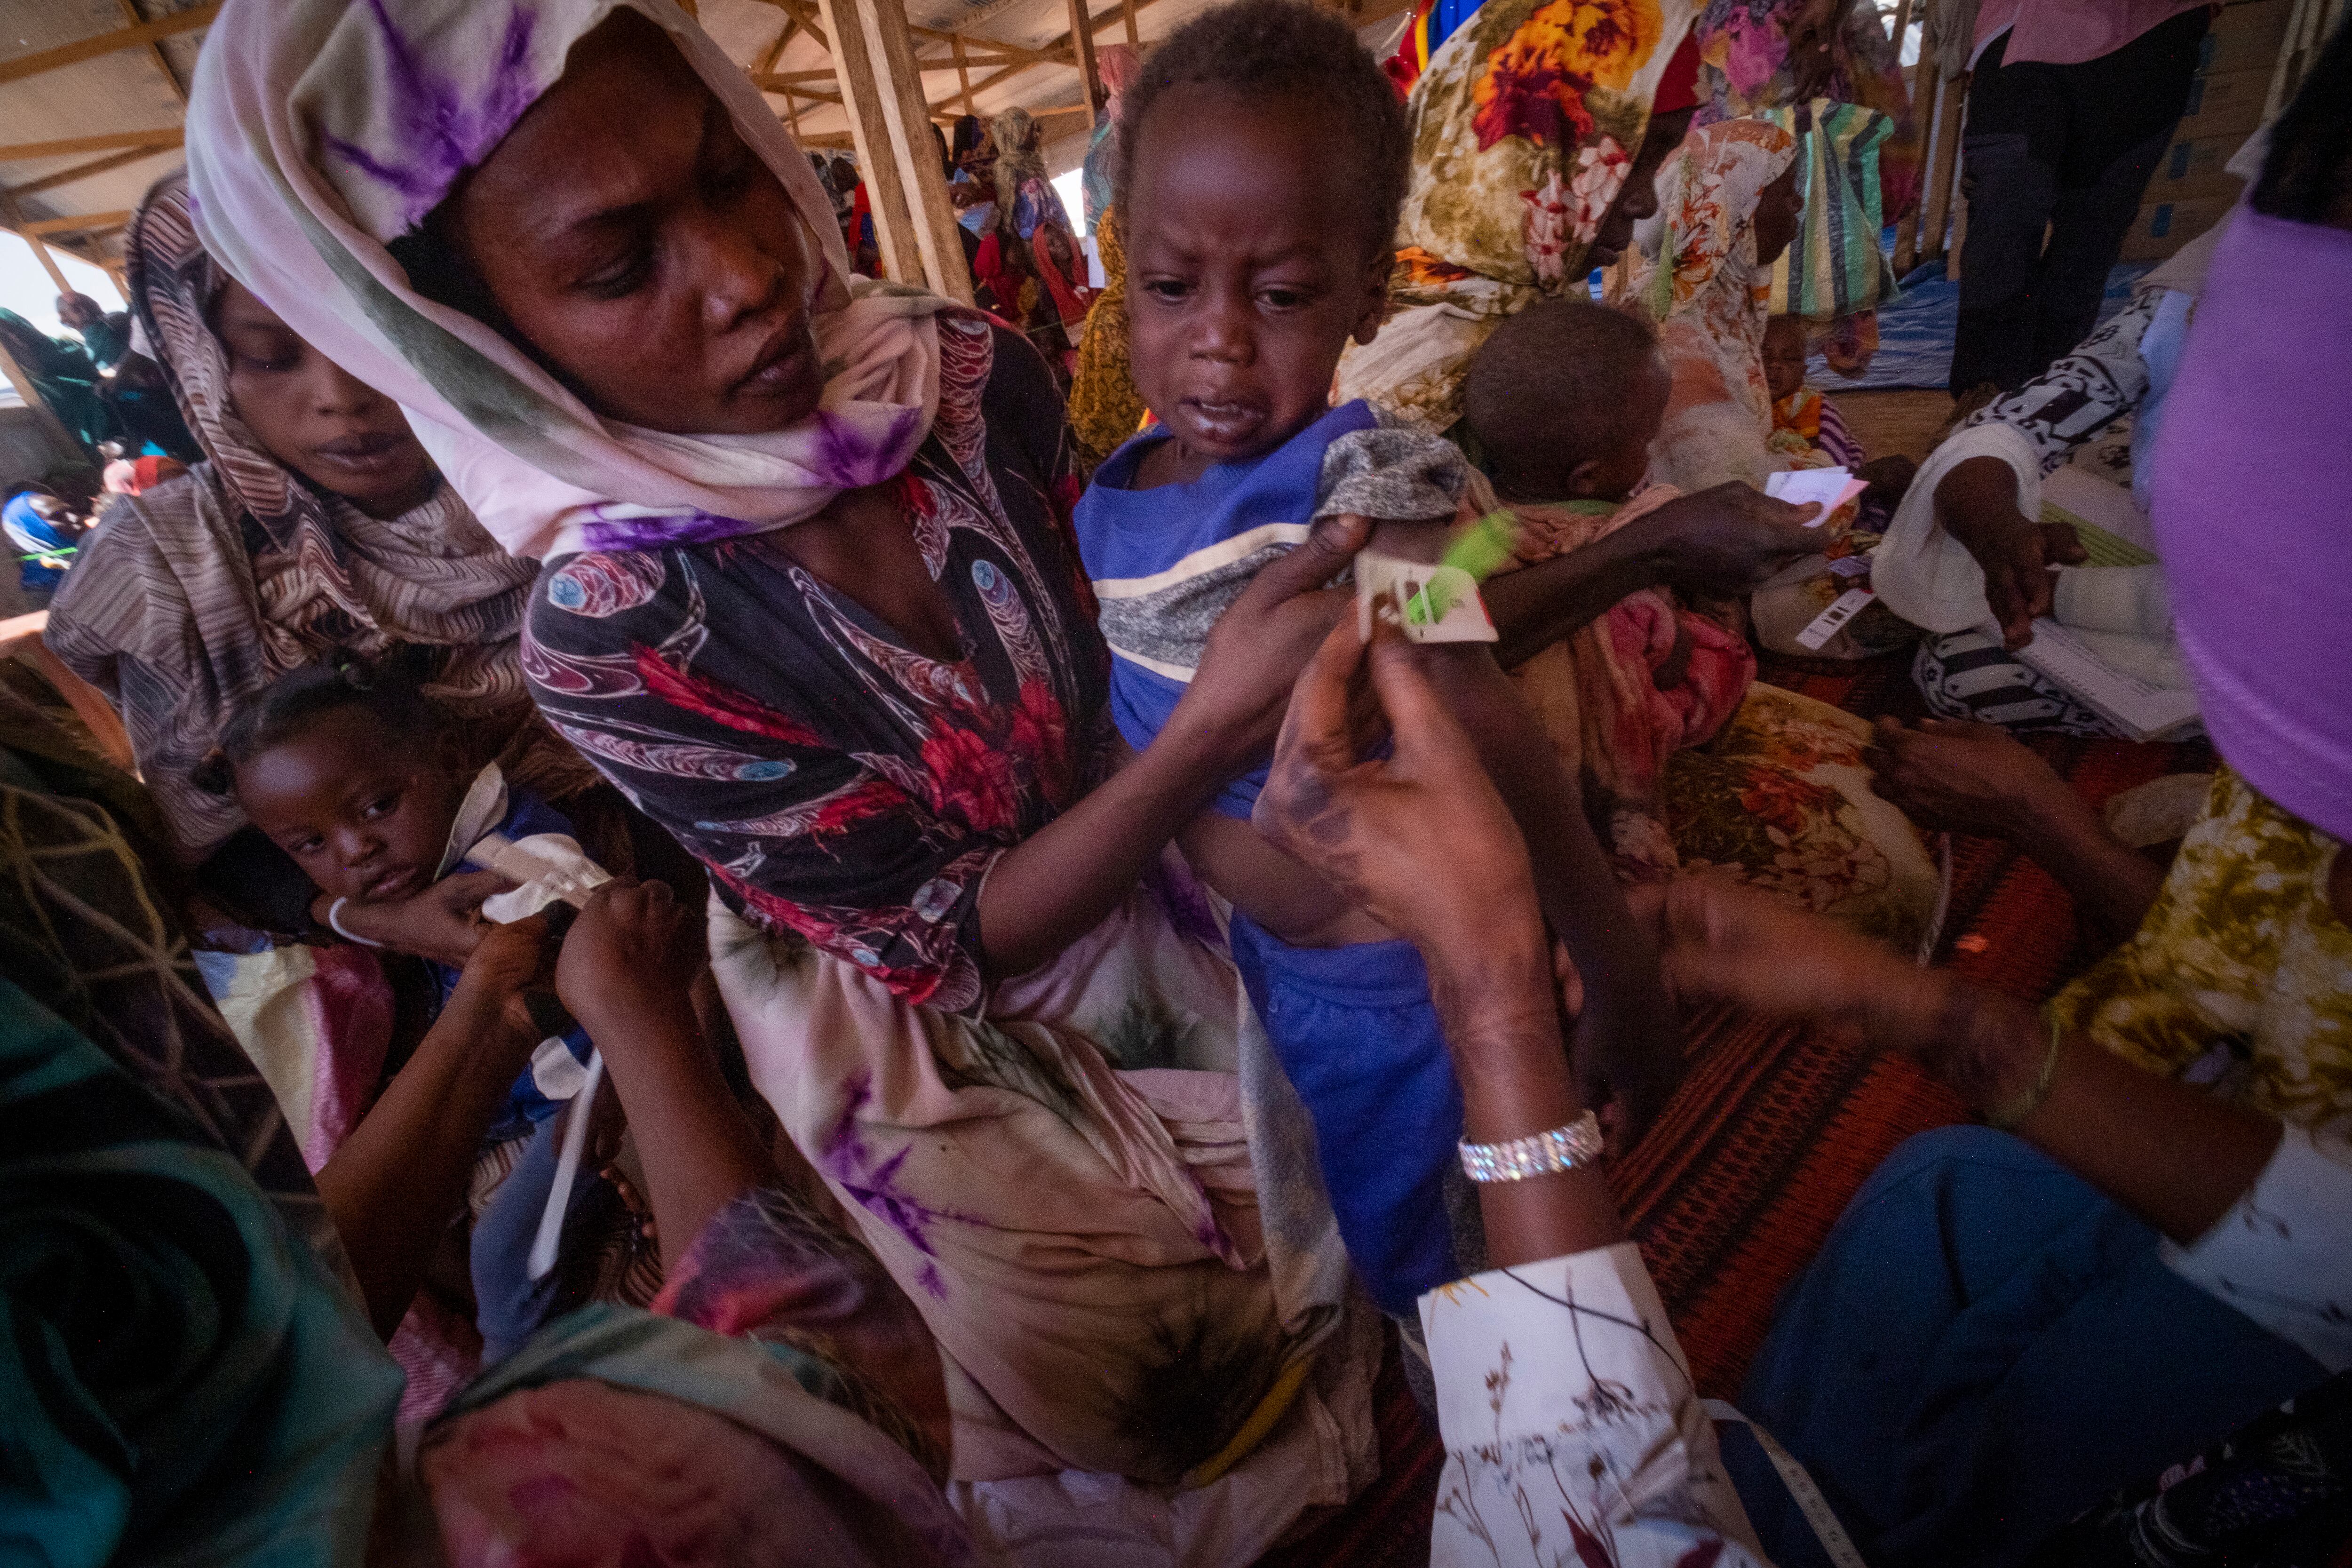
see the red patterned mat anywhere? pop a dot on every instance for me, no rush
(1734, 1190)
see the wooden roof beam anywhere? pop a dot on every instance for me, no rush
(79, 223)
(82, 171)
(156, 141)
(1060, 47)
(91, 49)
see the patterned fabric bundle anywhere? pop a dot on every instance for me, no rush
(197, 593)
(190, 1377)
(1745, 69)
(1702, 282)
(319, 131)
(1596, 690)
(783, 1354)
(1834, 268)
(1524, 127)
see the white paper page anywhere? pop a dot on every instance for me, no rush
(2141, 711)
(1832, 488)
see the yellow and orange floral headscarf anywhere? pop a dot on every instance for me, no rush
(1525, 125)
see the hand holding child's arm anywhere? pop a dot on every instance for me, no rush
(629, 963)
(441, 922)
(1465, 897)
(1724, 540)
(396, 1184)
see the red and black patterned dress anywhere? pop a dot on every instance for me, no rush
(836, 782)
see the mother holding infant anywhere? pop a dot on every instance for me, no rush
(808, 597)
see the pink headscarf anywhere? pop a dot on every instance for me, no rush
(2252, 489)
(321, 130)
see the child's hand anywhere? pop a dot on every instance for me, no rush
(633, 944)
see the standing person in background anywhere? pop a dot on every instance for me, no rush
(1105, 407)
(105, 333)
(2071, 105)
(1728, 208)
(1036, 268)
(1119, 65)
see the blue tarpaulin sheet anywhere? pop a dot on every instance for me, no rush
(1914, 332)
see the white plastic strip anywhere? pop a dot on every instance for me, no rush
(567, 1166)
(1835, 1542)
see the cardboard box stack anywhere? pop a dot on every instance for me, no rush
(2190, 191)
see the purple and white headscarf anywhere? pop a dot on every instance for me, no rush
(321, 130)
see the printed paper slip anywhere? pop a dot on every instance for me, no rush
(2142, 712)
(1830, 487)
(1825, 625)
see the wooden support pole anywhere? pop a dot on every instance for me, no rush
(914, 224)
(1944, 161)
(1127, 16)
(81, 49)
(14, 216)
(1082, 49)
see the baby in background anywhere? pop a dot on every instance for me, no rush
(1806, 426)
(1653, 674)
(1263, 159)
(356, 776)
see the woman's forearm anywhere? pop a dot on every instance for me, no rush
(397, 1181)
(2112, 884)
(1627, 1008)
(699, 1149)
(1503, 1031)
(2175, 1155)
(1536, 605)
(1060, 881)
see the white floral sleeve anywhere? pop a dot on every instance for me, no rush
(1572, 1433)
(2282, 1255)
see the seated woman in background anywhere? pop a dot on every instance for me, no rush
(1728, 207)
(316, 529)
(1968, 557)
